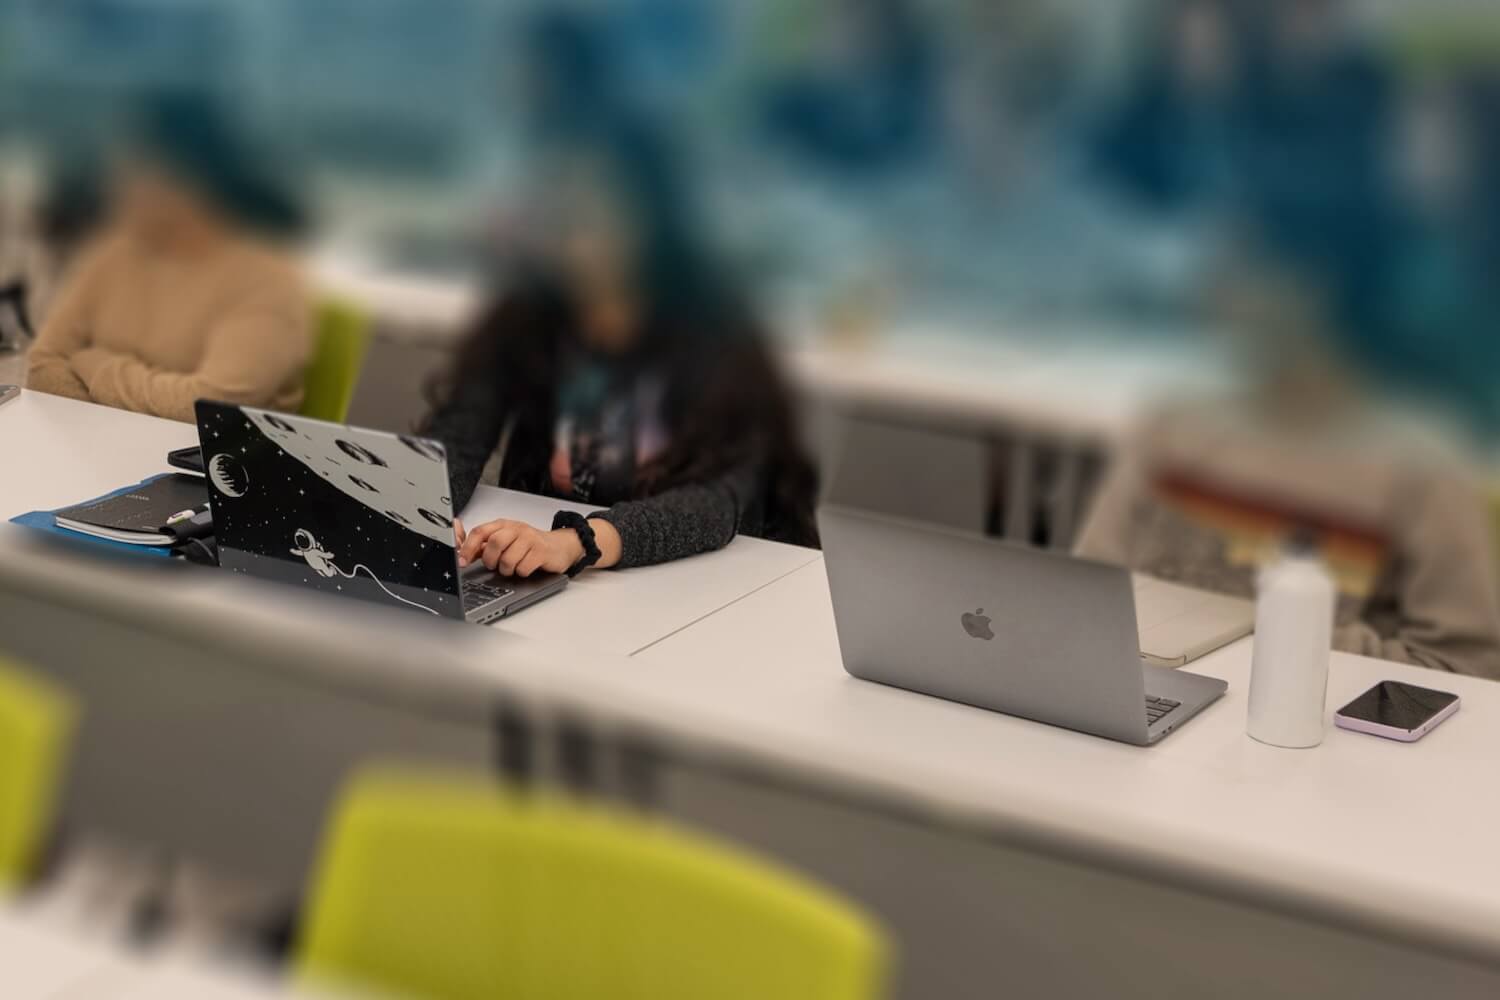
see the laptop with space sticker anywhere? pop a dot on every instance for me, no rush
(355, 512)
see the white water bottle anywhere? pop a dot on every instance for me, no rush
(1293, 637)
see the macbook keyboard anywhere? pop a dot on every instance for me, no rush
(476, 594)
(1157, 707)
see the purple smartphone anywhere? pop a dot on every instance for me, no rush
(1397, 711)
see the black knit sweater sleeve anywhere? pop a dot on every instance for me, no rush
(687, 520)
(468, 425)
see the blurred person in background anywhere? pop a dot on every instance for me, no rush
(622, 369)
(1209, 490)
(175, 300)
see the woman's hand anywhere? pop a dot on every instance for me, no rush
(514, 548)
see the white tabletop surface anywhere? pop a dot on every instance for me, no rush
(1086, 389)
(38, 962)
(56, 451)
(1401, 836)
(1394, 837)
(42, 962)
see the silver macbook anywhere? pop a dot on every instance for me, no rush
(354, 512)
(1022, 631)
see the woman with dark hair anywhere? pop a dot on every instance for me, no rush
(175, 301)
(622, 371)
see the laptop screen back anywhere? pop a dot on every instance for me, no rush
(353, 512)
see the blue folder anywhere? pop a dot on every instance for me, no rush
(46, 520)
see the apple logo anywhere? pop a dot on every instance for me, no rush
(977, 624)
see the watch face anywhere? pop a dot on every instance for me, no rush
(1399, 706)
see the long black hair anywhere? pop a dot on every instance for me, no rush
(726, 404)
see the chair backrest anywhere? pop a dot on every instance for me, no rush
(341, 336)
(36, 723)
(458, 889)
(1494, 499)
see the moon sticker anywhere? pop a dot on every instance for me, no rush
(430, 450)
(228, 475)
(359, 452)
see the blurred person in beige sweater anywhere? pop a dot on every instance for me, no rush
(174, 301)
(1206, 491)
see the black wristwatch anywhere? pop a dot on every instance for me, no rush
(580, 524)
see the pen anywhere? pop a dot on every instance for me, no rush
(183, 515)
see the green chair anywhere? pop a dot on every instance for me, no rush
(1495, 520)
(342, 336)
(457, 889)
(36, 722)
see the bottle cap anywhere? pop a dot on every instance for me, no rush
(1302, 543)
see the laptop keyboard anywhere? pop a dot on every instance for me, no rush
(476, 594)
(1158, 707)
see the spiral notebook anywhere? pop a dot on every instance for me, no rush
(136, 515)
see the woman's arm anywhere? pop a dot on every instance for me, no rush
(680, 522)
(254, 351)
(687, 520)
(515, 548)
(67, 331)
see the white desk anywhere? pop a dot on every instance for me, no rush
(1360, 831)
(1357, 841)
(757, 687)
(56, 451)
(1085, 391)
(39, 962)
